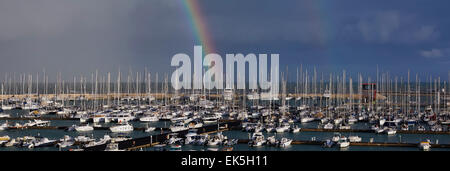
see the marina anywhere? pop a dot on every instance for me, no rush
(307, 115)
(191, 75)
(229, 84)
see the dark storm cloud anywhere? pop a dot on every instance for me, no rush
(78, 37)
(82, 36)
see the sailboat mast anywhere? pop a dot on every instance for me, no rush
(108, 85)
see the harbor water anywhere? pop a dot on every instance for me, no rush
(56, 134)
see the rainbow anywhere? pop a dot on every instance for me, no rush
(199, 26)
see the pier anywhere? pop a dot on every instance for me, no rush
(373, 144)
(149, 141)
(66, 127)
(41, 118)
(235, 125)
(371, 131)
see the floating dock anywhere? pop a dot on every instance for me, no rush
(371, 131)
(66, 127)
(374, 144)
(41, 118)
(238, 128)
(148, 141)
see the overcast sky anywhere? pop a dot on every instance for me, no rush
(78, 37)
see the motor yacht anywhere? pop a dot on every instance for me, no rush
(425, 145)
(179, 126)
(257, 140)
(345, 127)
(43, 142)
(149, 119)
(84, 128)
(271, 141)
(217, 139)
(328, 126)
(390, 131)
(150, 129)
(354, 139)
(283, 127)
(121, 128)
(284, 142)
(307, 119)
(343, 143)
(191, 136)
(195, 124)
(83, 139)
(295, 129)
(174, 139)
(37, 123)
(4, 115)
(269, 128)
(4, 126)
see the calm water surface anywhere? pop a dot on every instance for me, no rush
(57, 134)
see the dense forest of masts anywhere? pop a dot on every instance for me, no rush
(414, 90)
